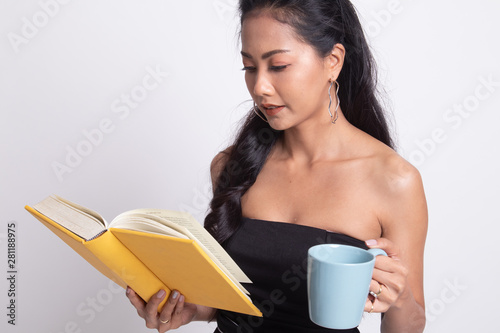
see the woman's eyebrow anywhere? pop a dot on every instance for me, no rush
(265, 55)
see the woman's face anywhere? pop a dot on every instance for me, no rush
(285, 76)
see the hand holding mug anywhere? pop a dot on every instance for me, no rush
(389, 281)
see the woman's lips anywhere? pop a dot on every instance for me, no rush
(272, 111)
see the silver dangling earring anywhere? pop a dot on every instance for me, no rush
(256, 110)
(334, 119)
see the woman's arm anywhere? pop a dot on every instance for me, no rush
(400, 275)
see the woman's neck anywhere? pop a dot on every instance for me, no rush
(313, 142)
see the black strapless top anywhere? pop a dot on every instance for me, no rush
(274, 257)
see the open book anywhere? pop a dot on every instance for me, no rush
(149, 250)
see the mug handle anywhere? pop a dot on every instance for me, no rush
(377, 252)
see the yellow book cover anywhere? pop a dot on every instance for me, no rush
(150, 250)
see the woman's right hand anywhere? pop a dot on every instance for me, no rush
(174, 313)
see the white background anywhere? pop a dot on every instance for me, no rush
(62, 78)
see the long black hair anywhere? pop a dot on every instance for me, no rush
(322, 24)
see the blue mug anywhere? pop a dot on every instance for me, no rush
(338, 282)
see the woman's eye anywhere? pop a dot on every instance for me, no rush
(278, 68)
(272, 68)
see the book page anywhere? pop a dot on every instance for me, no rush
(66, 214)
(186, 224)
(147, 223)
(92, 214)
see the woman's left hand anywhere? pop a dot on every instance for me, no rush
(389, 282)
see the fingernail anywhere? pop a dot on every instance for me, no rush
(160, 294)
(175, 294)
(128, 290)
(181, 299)
(371, 242)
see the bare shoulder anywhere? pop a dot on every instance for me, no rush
(386, 168)
(396, 175)
(400, 193)
(396, 185)
(218, 163)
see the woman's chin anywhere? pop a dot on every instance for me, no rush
(278, 125)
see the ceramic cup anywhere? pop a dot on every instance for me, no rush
(338, 282)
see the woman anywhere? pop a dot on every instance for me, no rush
(313, 163)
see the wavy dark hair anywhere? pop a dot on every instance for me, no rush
(322, 24)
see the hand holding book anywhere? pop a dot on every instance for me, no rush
(175, 313)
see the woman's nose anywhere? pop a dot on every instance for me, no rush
(263, 86)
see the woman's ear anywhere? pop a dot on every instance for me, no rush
(335, 61)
